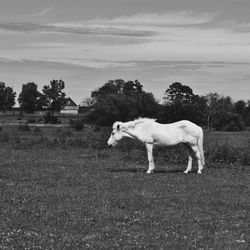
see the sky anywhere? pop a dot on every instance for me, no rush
(200, 43)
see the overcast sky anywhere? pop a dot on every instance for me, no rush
(200, 43)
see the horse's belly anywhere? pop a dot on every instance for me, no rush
(166, 140)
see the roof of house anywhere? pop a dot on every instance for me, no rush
(70, 102)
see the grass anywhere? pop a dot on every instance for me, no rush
(70, 195)
(37, 118)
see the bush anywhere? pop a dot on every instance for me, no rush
(23, 128)
(31, 120)
(230, 122)
(37, 131)
(65, 132)
(49, 118)
(77, 125)
(5, 137)
(231, 127)
(40, 120)
(227, 153)
(62, 135)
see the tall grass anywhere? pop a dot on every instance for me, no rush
(227, 148)
(228, 153)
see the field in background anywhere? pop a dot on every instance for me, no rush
(62, 189)
(220, 147)
(37, 118)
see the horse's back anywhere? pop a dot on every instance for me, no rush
(183, 124)
(183, 127)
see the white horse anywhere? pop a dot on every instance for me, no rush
(152, 133)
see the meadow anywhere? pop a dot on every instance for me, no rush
(64, 189)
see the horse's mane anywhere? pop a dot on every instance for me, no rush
(133, 123)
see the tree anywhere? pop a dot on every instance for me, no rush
(240, 107)
(178, 93)
(120, 100)
(87, 101)
(247, 118)
(53, 97)
(181, 103)
(218, 107)
(225, 115)
(29, 98)
(7, 97)
(197, 110)
(212, 102)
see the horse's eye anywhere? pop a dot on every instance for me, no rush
(113, 133)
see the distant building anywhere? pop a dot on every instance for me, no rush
(70, 107)
(84, 109)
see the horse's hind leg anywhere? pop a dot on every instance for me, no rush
(189, 166)
(198, 156)
(151, 165)
(190, 159)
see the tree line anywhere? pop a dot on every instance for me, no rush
(127, 100)
(51, 99)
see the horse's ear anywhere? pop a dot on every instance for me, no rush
(118, 127)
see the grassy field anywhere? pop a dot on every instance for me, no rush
(61, 189)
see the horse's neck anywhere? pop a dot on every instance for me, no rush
(129, 125)
(131, 130)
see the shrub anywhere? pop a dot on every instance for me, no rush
(23, 128)
(65, 132)
(77, 125)
(37, 131)
(227, 153)
(40, 120)
(49, 118)
(230, 122)
(31, 120)
(62, 135)
(233, 126)
(5, 137)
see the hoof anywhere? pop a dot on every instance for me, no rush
(199, 172)
(185, 172)
(149, 172)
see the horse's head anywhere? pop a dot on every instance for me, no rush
(116, 134)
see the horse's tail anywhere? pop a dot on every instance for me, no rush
(200, 146)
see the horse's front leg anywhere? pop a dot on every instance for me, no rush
(151, 165)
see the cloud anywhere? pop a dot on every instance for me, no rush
(175, 36)
(140, 25)
(155, 19)
(69, 62)
(75, 29)
(40, 13)
(144, 24)
(162, 65)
